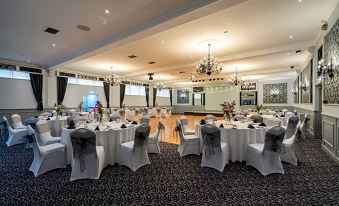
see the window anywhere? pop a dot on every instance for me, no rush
(135, 90)
(14, 74)
(163, 93)
(87, 82)
(197, 96)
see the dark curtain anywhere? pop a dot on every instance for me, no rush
(154, 96)
(170, 91)
(203, 98)
(36, 83)
(122, 93)
(106, 90)
(147, 95)
(193, 99)
(61, 88)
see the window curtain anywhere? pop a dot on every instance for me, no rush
(122, 93)
(203, 98)
(61, 88)
(193, 99)
(170, 91)
(147, 95)
(36, 83)
(106, 90)
(154, 96)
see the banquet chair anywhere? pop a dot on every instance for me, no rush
(144, 119)
(305, 128)
(31, 121)
(210, 117)
(137, 113)
(145, 111)
(44, 133)
(133, 154)
(238, 113)
(292, 126)
(288, 115)
(152, 143)
(158, 112)
(163, 113)
(239, 117)
(257, 118)
(215, 154)
(88, 160)
(168, 111)
(273, 121)
(189, 144)
(287, 153)
(46, 114)
(15, 136)
(17, 123)
(266, 157)
(122, 114)
(184, 125)
(114, 117)
(48, 157)
(284, 111)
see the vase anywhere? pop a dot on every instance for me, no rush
(227, 118)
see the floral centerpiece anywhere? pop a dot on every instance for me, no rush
(80, 105)
(228, 109)
(123, 106)
(100, 110)
(59, 108)
(259, 108)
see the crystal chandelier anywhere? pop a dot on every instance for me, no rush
(191, 77)
(209, 65)
(235, 79)
(113, 79)
(160, 86)
(186, 90)
(324, 69)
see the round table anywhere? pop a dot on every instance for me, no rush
(56, 125)
(110, 138)
(237, 139)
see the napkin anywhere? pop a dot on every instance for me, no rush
(134, 122)
(123, 126)
(250, 126)
(222, 125)
(282, 115)
(48, 118)
(81, 115)
(202, 122)
(276, 116)
(235, 119)
(36, 116)
(97, 128)
(71, 125)
(262, 125)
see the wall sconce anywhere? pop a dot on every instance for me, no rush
(324, 69)
(294, 92)
(304, 85)
(274, 92)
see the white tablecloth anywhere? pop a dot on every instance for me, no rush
(110, 139)
(237, 139)
(56, 125)
(87, 115)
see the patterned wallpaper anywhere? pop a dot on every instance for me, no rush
(182, 97)
(331, 50)
(307, 77)
(269, 98)
(295, 87)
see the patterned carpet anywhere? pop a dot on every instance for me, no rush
(171, 180)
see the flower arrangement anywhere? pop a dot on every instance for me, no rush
(80, 105)
(123, 106)
(59, 108)
(100, 110)
(258, 108)
(228, 108)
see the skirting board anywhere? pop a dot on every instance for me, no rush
(336, 159)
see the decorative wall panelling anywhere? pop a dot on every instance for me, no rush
(279, 98)
(330, 140)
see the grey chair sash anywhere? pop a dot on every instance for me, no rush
(211, 140)
(274, 138)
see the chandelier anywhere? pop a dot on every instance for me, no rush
(113, 79)
(186, 90)
(209, 65)
(191, 77)
(324, 69)
(160, 86)
(236, 79)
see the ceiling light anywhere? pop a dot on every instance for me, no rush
(160, 86)
(209, 65)
(288, 54)
(291, 37)
(162, 42)
(54, 45)
(83, 27)
(113, 79)
(300, 0)
(235, 79)
(151, 62)
(107, 11)
(51, 30)
(150, 76)
(132, 56)
(225, 32)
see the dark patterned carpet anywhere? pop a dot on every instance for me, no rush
(171, 180)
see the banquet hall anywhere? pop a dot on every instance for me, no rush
(169, 102)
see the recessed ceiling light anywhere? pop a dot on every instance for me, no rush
(300, 0)
(51, 30)
(162, 42)
(107, 11)
(54, 45)
(291, 37)
(83, 28)
(288, 54)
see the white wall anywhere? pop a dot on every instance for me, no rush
(290, 97)
(133, 100)
(163, 101)
(16, 94)
(74, 94)
(213, 100)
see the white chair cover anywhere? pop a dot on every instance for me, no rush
(144, 119)
(114, 117)
(163, 112)
(47, 157)
(305, 128)
(184, 124)
(122, 113)
(273, 121)
(257, 118)
(15, 136)
(292, 126)
(88, 160)
(266, 157)
(239, 117)
(46, 114)
(215, 154)
(210, 117)
(288, 115)
(44, 133)
(287, 153)
(158, 114)
(189, 144)
(133, 154)
(17, 123)
(153, 144)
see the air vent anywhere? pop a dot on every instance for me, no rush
(65, 74)
(211, 80)
(51, 30)
(31, 70)
(298, 51)
(151, 62)
(181, 72)
(132, 56)
(83, 28)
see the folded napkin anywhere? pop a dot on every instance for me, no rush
(222, 125)
(262, 125)
(202, 122)
(250, 126)
(134, 122)
(71, 125)
(282, 115)
(235, 119)
(87, 121)
(81, 115)
(52, 114)
(36, 116)
(276, 116)
(48, 118)
(123, 126)
(97, 128)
